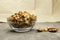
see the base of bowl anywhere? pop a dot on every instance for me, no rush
(21, 29)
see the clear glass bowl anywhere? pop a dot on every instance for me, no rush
(21, 21)
(18, 28)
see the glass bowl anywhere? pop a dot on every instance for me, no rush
(21, 21)
(20, 28)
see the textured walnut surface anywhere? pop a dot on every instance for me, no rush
(7, 34)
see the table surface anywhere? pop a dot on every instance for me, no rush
(7, 34)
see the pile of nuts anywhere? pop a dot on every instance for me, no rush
(22, 19)
(50, 29)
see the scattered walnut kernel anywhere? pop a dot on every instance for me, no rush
(50, 29)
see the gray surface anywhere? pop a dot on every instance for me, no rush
(6, 34)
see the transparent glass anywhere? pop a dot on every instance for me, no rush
(25, 29)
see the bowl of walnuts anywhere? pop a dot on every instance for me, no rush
(22, 21)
